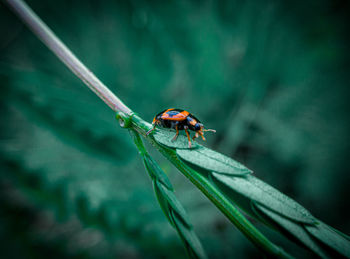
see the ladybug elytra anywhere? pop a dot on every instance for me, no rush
(179, 120)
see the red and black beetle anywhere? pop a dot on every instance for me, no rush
(179, 120)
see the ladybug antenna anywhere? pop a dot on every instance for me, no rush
(209, 130)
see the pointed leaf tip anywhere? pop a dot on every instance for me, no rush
(212, 161)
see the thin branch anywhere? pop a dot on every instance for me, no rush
(52, 42)
(44, 33)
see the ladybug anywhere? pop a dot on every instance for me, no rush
(179, 120)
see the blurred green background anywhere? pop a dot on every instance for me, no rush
(272, 77)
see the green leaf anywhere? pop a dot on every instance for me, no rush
(173, 203)
(193, 246)
(177, 216)
(170, 205)
(212, 161)
(294, 228)
(212, 192)
(156, 172)
(162, 201)
(330, 238)
(262, 193)
(165, 136)
(340, 233)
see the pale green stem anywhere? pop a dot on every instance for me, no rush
(67, 57)
(45, 34)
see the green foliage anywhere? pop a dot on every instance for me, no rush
(267, 203)
(203, 181)
(254, 189)
(199, 155)
(162, 137)
(331, 238)
(170, 205)
(294, 229)
(212, 161)
(285, 212)
(270, 77)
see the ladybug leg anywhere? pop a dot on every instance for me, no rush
(188, 137)
(202, 135)
(177, 133)
(195, 136)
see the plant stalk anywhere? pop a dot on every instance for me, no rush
(44, 33)
(215, 195)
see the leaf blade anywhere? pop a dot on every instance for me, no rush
(165, 136)
(294, 228)
(173, 203)
(193, 245)
(155, 171)
(329, 237)
(262, 193)
(212, 161)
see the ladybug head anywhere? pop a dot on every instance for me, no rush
(155, 121)
(198, 126)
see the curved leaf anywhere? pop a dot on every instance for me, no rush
(170, 205)
(194, 247)
(294, 228)
(212, 161)
(156, 172)
(330, 238)
(340, 233)
(162, 202)
(173, 203)
(262, 193)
